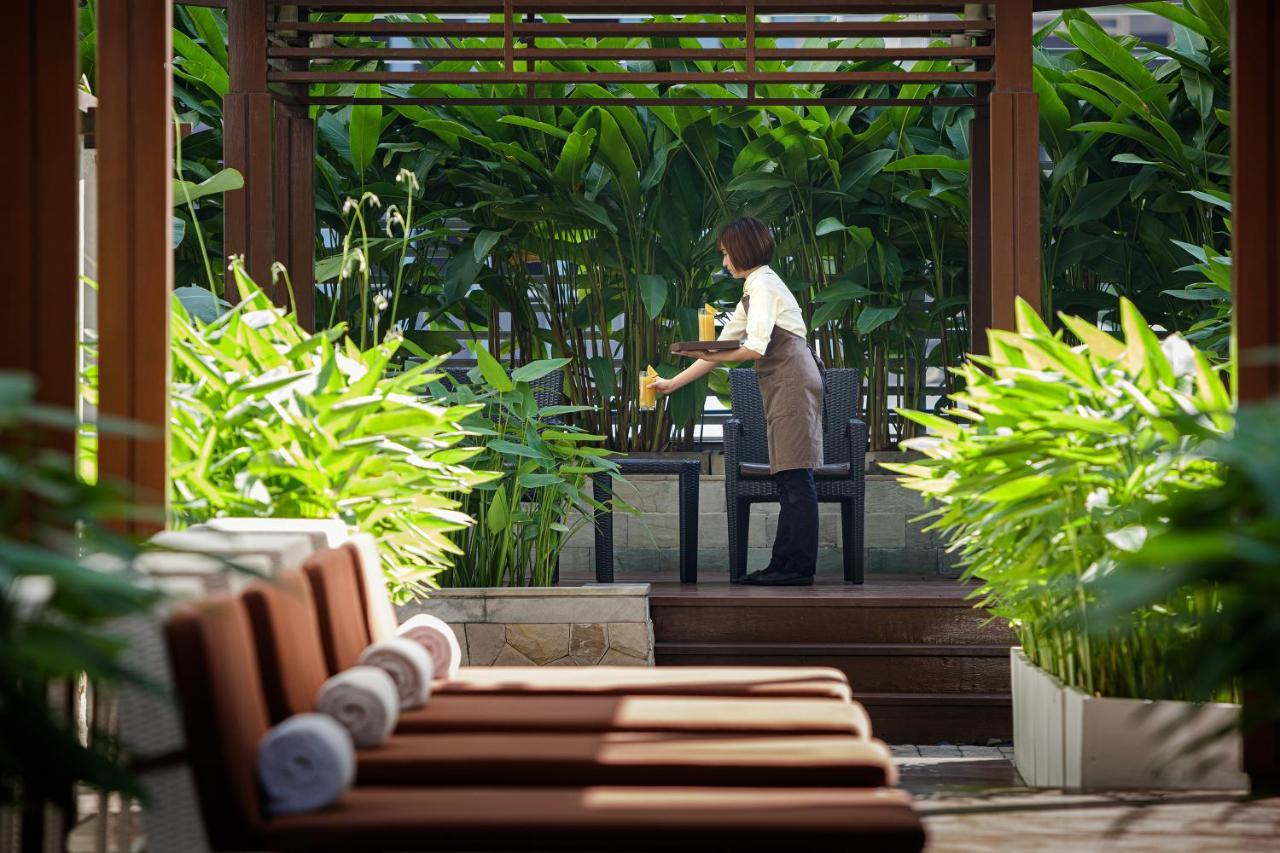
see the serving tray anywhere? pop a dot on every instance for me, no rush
(704, 346)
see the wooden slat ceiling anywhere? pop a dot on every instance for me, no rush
(514, 57)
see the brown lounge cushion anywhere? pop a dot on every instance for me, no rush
(341, 605)
(614, 819)
(292, 673)
(224, 715)
(291, 658)
(833, 471)
(628, 758)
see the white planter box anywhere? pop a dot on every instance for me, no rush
(1064, 738)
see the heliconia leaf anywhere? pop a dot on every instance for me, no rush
(366, 127)
(492, 371)
(535, 370)
(653, 293)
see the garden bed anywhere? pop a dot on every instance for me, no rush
(1065, 738)
(588, 625)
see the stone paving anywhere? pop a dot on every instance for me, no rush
(973, 801)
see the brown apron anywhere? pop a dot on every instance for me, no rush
(790, 375)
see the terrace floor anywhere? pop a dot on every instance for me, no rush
(972, 799)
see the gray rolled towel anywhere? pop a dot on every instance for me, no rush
(306, 763)
(408, 664)
(364, 700)
(435, 635)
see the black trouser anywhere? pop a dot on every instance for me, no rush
(795, 548)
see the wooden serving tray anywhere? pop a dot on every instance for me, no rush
(704, 346)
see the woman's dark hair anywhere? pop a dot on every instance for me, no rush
(747, 242)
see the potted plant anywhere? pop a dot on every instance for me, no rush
(1063, 456)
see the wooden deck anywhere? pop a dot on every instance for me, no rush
(928, 667)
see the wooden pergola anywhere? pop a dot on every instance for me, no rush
(270, 139)
(273, 69)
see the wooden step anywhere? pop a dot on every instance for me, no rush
(823, 620)
(871, 667)
(917, 718)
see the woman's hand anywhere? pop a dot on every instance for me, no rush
(664, 386)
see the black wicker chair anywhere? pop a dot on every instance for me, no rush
(547, 390)
(840, 479)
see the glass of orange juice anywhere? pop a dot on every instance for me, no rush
(648, 394)
(707, 323)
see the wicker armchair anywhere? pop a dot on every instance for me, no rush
(547, 390)
(840, 479)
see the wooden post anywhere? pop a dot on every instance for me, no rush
(1255, 193)
(294, 211)
(1015, 167)
(248, 140)
(135, 228)
(39, 55)
(979, 228)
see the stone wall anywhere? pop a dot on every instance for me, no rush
(563, 626)
(647, 542)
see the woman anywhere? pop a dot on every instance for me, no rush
(771, 329)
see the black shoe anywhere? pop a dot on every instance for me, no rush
(766, 577)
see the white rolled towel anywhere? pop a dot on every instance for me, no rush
(435, 635)
(364, 699)
(409, 665)
(305, 763)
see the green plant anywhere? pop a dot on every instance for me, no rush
(1220, 544)
(54, 609)
(1139, 138)
(543, 476)
(1065, 453)
(268, 419)
(584, 232)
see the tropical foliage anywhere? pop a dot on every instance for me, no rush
(1062, 457)
(55, 609)
(1220, 544)
(543, 468)
(585, 233)
(271, 420)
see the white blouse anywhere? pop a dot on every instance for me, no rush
(772, 304)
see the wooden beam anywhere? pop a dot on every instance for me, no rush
(604, 77)
(1255, 192)
(248, 139)
(39, 56)
(1015, 167)
(135, 227)
(520, 100)
(821, 29)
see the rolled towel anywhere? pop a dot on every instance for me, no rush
(435, 635)
(305, 763)
(408, 664)
(364, 700)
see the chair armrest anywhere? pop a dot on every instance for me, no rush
(857, 434)
(732, 440)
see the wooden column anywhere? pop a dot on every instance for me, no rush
(294, 213)
(1015, 167)
(39, 56)
(295, 210)
(979, 228)
(1255, 115)
(135, 225)
(1255, 192)
(248, 139)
